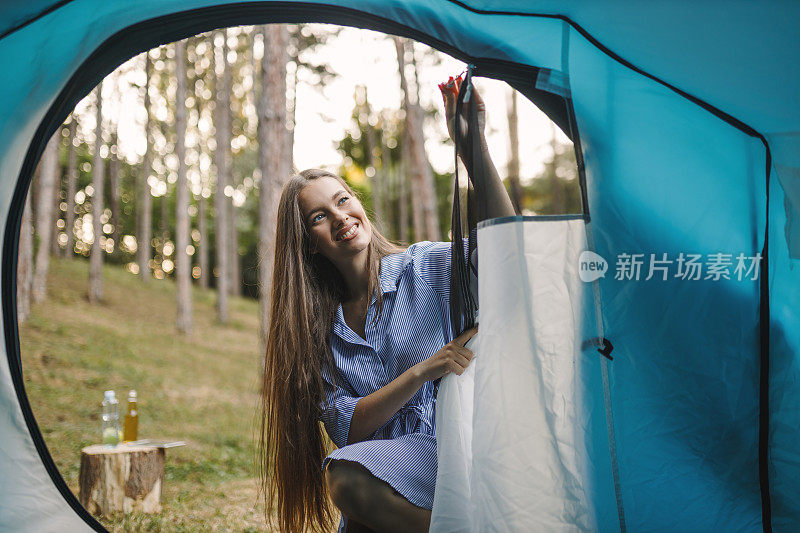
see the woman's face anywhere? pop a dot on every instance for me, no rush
(337, 225)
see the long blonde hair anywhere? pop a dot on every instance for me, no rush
(305, 294)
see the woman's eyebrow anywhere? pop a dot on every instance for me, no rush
(337, 193)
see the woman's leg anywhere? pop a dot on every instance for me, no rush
(355, 527)
(371, 502)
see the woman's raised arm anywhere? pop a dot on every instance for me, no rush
(497, 199)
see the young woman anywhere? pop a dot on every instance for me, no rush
(359, 331)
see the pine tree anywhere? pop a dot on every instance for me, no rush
(114, 190)
(98, 164)
(144, 214)
(25, 262)
(424, 209)
(44, 216)
(71, 185)
(274, 159)
(513, 158)
(183, 261)
(221, 156)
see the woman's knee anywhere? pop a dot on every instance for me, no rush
(348, 486)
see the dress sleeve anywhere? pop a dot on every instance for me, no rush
(341, 402)
(432, 262)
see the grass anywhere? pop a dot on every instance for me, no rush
(201, 388)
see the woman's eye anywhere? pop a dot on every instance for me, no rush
(343, 198)
(316, 218)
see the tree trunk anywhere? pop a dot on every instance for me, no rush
(422, 166)
(392, 206)
(25, 263)
(72, 181)
(424, 209)
(513, 159)
(383, 181)
(234, 262)
(372, 161)
(234, 265)
(55, 212)
(402, 189)
(408, 165)
(113, 183)
(222, 126)
(144, 219)
(204, 277)
(44, 217)
(183, 261)
(202, 243)
(96, 257)
(273, 160)
(290, 124)
(163, 221)
(121, 478)
(558, 201)
(375, 178)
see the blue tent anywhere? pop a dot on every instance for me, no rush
(689, 131)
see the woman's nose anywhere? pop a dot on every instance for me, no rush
(340, 218)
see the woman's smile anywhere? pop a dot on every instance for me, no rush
(348, 233)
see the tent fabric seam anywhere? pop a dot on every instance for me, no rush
(34, 18)
(733, 121)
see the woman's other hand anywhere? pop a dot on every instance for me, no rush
(452, 357)
(449, 91)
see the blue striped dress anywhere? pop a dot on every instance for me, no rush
(414, 324)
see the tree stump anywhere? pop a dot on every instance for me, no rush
(121, 478)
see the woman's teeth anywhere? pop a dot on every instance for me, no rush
(350, 233)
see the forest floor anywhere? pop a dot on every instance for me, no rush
(201, 389)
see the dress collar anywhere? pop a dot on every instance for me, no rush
(392, 266)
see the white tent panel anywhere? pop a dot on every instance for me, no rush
(511, 429)
(29, 501)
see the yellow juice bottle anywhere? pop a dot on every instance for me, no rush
(131, 424)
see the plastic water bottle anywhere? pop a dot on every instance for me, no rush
(110, 419)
